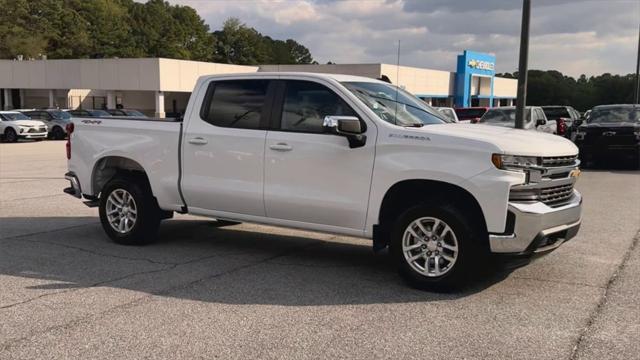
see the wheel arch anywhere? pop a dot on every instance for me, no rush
(106, 168)
(406, 193)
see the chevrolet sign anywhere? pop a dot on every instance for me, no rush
(482, 65)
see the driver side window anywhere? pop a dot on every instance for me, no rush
(307, 103)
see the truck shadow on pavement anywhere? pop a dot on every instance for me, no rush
(196, 260)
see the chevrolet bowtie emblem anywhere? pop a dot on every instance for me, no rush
(608, 133)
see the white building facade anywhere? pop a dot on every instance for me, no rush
(161, 87)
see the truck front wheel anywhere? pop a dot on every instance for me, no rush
(433, 247)
(128, 212)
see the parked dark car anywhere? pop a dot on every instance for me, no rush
(566, 117)
(126, 112)
(88, 113)
(472, 114)
(611, 133)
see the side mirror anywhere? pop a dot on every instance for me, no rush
(578, 122)
(541, 122)
(348, 126)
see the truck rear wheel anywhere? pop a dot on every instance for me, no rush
(128, 211)
(433, 247)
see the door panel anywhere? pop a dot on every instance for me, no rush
(312, 176)
(320, 180)
(223, 164)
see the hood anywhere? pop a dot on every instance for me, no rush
(598, 125)
(510, 141)
(29, 123)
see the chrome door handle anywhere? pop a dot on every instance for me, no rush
(198, 141)
(280, 147)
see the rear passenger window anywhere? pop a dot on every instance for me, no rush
(235, 103)
(307, 103)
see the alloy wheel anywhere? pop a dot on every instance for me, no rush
(430, 246)
(121, 210)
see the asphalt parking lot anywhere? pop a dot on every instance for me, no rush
(249, 291)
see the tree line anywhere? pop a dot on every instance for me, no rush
(71, 29)
(551, 87)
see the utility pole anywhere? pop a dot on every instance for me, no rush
(523, 65)
(637, 88)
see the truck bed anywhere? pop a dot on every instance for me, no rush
(151, 143)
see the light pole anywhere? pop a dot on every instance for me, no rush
(523, 65)
(637, 87)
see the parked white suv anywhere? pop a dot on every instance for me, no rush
(15, 125)
(339, 154)
(535, 119)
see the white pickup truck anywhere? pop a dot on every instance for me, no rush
(338, 154)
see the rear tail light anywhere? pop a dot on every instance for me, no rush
(561, 126)
(70, 128)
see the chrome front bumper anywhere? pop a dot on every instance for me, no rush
(539, 228)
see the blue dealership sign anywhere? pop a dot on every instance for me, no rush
(473, 65)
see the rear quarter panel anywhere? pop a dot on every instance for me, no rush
(153, 145)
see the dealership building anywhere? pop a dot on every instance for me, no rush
(161, 87)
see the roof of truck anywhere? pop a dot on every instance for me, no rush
(336, 77)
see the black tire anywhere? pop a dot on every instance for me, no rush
(10, 135)
(148, 215)
(471, 249)
(57, 133)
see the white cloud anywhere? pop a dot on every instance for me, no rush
(572, 36)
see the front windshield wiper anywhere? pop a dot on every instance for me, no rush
(416, 125)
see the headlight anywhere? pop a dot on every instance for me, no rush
(514, 162)
(23, 129)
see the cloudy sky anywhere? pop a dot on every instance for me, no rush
(573, 36)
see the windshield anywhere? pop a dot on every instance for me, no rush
(615, 115)
(60, 115)
(503, 116)
(14, 116)
(408, 110)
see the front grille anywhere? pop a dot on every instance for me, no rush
(36, 130)
(551, 195)
(552, 184)
(556, 161)
(557, 195)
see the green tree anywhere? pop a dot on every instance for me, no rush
(237, 43)
(24, 27)
(553, 88)
(126, 28)
(162, 30)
